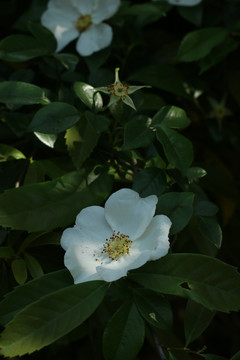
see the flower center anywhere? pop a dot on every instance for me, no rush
(118, 89)
(118, 245)
(220, 112)
(83, 22)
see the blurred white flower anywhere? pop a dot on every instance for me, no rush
(82, 19)
(106, 243)
(183, 2)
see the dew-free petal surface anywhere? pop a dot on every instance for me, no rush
(126, 212)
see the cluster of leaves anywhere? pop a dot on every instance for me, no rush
(62, 149)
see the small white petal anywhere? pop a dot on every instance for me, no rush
(63, 29)
(104, 10)
(95, 38)
(184, 2)
(126, 212)
(117, 269)
(81, 263)
(155, 238)
(85, 7)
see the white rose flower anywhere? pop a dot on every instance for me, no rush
(183, 2)
(106, 243)
(82, 19)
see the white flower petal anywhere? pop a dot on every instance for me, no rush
(92, 224)
(69, 237)
(86, 256)
(126, 212)
(155, 238)
(184, 2)
(95, 38)
(63, 29)
(85, 6)
(104, 10)
(81, 263)
(119, 268)
(91, 228)
(64, 7)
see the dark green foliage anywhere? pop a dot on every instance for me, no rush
(67, 142)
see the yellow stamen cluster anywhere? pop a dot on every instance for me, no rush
(117, 245)
(83, 22)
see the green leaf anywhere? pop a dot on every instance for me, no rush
(89, 95)
(32, 291)
(150, 181)
(52, 204)
(177, 148)
(95, 62)
(196, 320)
(10, 153)
(171, 116)
(205, 208)
(218, 54)
(154, 308)
(124, 334)
(52, 168)
(44, 36)
(54, 118)
(150, 101)
(192, 14)
(236, 356)
(47, 139)
(178, 207)
(19, 270)
(69, 61)
(213, 357)
(19, 48)
(99, 123)
(209, 229)
(143, 9)
(40, 239)
(162, 76)
(4, 281)
(51, 317)
(137, 133)
(35, 173)
(33, 265)
(16, 121)
(21, 93)
(196, 173)
(81, 140)
(199, 43)
(203, 279)
(6, 252)
(145, 13)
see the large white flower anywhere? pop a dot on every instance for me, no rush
(183, 2)
(107, 242)
(82, 19)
